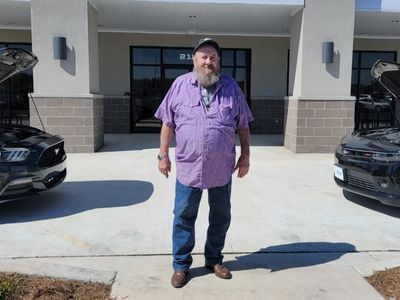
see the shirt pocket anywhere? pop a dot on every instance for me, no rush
(188, 110)
(226, 112)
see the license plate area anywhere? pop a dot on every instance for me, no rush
(339, 173)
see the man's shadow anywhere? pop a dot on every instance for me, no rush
(283, 257)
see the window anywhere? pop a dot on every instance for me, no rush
(153, 70)
(371, 110)
(236, 63)
(362, 83)
(14, 100)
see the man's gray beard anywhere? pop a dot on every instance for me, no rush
(206, 80)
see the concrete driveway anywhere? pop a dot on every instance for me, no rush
(115, 210)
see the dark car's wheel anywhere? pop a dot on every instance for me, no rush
(378, 108)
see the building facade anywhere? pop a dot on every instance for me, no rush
(300, 64)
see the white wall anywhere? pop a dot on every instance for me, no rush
(323, 21)
(53, 18)
(93, 50)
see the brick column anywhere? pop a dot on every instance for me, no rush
(80, 121)
(316, 125)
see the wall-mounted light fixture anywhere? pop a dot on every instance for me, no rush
(327, 52)
(59, 47)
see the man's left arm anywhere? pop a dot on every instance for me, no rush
(243, 163)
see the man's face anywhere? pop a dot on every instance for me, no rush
(206, 60)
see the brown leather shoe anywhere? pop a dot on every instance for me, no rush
(179, 279)
(220, 271)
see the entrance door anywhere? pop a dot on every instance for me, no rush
(171, 73)
(143, 109)
(153, 70)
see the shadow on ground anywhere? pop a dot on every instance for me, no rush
(283, 257)
(75, 197)
(372, 204)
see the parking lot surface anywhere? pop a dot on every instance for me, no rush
(294, 234)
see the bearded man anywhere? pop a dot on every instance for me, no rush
(205, 110)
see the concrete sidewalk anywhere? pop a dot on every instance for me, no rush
(294, 234)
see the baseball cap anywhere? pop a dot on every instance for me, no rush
(206, 41)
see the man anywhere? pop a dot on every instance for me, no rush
(204, 109)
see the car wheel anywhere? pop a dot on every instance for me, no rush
(378, 108)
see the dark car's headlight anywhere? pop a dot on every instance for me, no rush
(341, 150)
(13, 154)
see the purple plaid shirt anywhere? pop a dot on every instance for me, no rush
(205, 139)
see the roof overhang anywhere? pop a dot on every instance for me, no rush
(373, 18)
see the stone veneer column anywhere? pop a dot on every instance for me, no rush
(319, 109)
(78, 120)
(316, 125)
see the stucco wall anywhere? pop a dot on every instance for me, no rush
(377, 45)
(70, 76)
(317, 23)
(268, 69)
(268, 77)
(93, 50)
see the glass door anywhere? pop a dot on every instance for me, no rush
(171, 73)
(154, 69)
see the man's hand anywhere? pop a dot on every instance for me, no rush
(164, 166)
(243, 165)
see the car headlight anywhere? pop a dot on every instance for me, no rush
(386, 156)
(339, 149)
(13, 154)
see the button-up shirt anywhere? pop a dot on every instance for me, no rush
(205, 138)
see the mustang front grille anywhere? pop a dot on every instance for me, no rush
(52, 155)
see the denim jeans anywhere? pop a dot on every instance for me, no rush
(187, 200)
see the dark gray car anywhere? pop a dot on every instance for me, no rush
(367, 161)
(31, 160)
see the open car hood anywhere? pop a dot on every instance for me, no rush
(14, 61)
(388, 75)
(378, 140)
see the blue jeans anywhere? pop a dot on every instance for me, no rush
(187, 200)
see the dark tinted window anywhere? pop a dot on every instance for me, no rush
(177, 56)
(155, 69)
(146, 82)
(241, 59)
(228, 58)
(14, 99)
(146, 56)
(362, 82)
(370, 111)
(369, 58)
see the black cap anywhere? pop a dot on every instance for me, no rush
(206, 41)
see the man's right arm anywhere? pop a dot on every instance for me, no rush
(164, 164)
